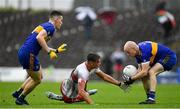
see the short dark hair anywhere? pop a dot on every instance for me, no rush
(93, 57)
(55, 13)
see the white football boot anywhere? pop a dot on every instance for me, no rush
(54, 96)
(92, 91)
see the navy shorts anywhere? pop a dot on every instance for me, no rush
(28, 60)
(168, 62)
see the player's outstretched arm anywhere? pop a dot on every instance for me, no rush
(111, 80)
(108, 78)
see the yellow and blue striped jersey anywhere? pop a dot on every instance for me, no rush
(31, 44)
(152, 52)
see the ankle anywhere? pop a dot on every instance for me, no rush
(20, 91)
(22, 96)
(151, 95)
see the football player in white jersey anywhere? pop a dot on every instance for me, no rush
(73, 89)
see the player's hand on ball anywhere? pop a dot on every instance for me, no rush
(61, 48)
(127, 80)
(52, 55)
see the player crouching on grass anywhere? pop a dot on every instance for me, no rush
(28, 54)
(152, 59)
(73, 89)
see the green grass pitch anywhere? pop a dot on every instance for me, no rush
(108, 96)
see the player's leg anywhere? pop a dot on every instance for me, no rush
(54, 96)
(146, 86)
(26, 82)
(163, 65)
(155, 70)
(145, 81)
(20, 90)
(36, 77)
(63, 88)
(24, 58)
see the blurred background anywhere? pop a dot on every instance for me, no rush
(101, 26)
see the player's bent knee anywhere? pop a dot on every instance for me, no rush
(37, 82)
(151, 73)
